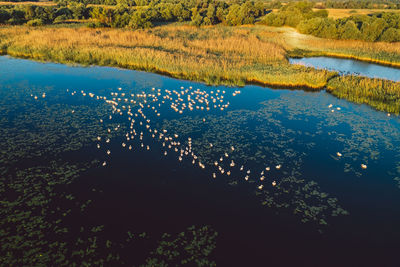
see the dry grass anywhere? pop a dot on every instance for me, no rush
(336, 13)
(216, 55)
(374, 52)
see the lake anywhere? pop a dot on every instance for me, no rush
(106, 165)
(349, 66)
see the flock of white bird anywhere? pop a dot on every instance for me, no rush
(139, 107)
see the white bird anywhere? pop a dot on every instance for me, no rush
(278, 166)
(339, 154)
(273, 183)
(363, 166)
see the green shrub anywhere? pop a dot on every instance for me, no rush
(35, 22)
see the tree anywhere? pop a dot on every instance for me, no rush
(140, 20)
(372, 31)
(211, 12)
(197, 19)
(233, 18)
(4, 16)
(391, 35)
(78, 10)
(349, 31)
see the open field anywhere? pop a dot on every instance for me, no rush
(214, 54)
(336, 13)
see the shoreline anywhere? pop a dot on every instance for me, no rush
(308, 54)
(249, 81)
(181, 76)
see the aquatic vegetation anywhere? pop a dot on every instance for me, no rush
(193, 247)
(55, 143)
(380, 94)
(257, 146)
(36, 199)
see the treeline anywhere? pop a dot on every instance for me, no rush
(40, 15)
(375, 27)
(359, 4)
(17, 1)
(138, 13)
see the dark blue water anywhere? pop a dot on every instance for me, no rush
(324, 209)
(349, 66)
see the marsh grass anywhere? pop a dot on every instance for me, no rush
(381, 94)
(215, 55)
(374, 52)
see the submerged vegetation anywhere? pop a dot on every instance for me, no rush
(37, 175)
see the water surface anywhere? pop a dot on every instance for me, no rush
(350, 66)
(322, 204)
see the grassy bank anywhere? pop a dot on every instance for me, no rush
(380, 94)
(301, 45)
(214, 55)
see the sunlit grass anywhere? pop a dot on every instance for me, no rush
(381, 94)
(215, 55)
(336, 13)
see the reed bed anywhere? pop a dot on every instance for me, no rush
(375, 52)
(215, 55)
(381, 94)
